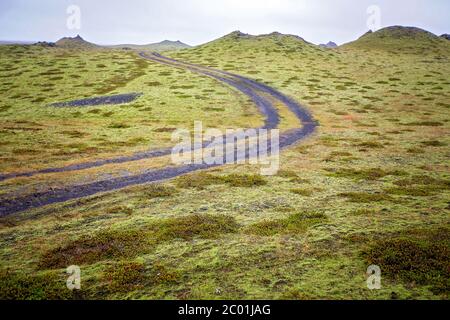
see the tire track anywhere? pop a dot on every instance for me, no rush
(265, 108)
(247, 86)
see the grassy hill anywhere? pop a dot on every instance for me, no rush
(370, 187)
(238, 42)
(165, 45)
(383, 107)
(407, 39)
(239, 49)
(75, 43)
(45, 75)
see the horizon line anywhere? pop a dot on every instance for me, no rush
(157, 42)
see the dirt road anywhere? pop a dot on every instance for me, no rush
(254, 90)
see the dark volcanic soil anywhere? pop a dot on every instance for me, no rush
(97, 101)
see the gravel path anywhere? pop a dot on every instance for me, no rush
(247, 86)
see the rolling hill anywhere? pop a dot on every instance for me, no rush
(406, 39)
(371, 186)
(237, 48)
(165, 45)
(238, 38)
(329, 45)
(75, 43)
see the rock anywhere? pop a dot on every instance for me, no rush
(45, 44)
(446, 36)
(75, 43)
(394, 295)
(330, 44)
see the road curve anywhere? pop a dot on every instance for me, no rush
(247, 86)
(265, 108)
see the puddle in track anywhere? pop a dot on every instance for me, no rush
(97, 101)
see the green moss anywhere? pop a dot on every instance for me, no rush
(244, 180)
(197, 180)
(202, 180)
(302, 192)
(114, 244)
(419, 186)
(423, 180)
(317, 264)
(194, 226)
(337, 154)
(365, 197)
(162, 274)
(128, 276)
(125, 276)
(364, 174)
(434, 143)
(288, 174)
(364, 212)
(108, 244)
(415, 150)
(292, 176)
(158, 191)
(153, 83)
(415, 191)
(294, 224)
(119, 125)
(120, 209)
(370, 145)
(425, 124)
(34, 286)
(165, 129)
(419, 257)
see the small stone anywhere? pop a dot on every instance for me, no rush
(394, 295)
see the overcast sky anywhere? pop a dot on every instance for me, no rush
(199, 21)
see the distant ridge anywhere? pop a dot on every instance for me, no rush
(329, 45)
(238, 42)
(45, 44)
(165, 45)
(446, 36)
(75, 43)
(399, 32)
(10, 42)
(405, 39)
(275, 35)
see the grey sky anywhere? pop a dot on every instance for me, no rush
(199, 21)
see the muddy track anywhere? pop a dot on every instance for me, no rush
(254, 90)
(265, 107)
(99, 101)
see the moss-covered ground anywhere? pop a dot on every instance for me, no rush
(371, 186)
